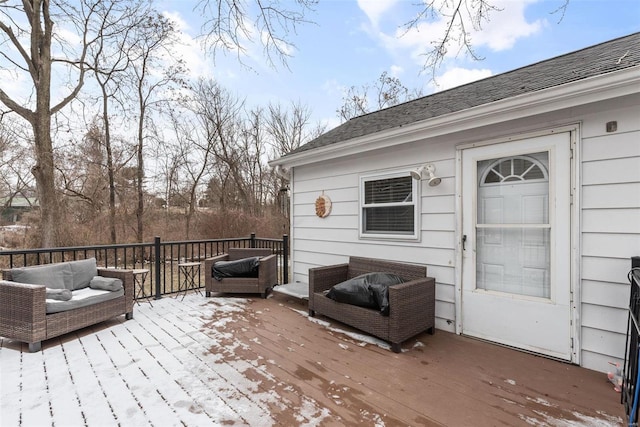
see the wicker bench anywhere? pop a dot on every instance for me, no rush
(411, 304)
(24, 317)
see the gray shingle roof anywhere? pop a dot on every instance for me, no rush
(592, 61)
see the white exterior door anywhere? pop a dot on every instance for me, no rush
(516, 277)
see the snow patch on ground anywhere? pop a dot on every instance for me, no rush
(580, 420)
(362, 339)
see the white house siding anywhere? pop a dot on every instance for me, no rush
(610, 229)
(609, 215)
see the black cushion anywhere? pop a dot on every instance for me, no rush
(370, 290)
(245, 267)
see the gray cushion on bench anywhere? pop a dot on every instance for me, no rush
(82, 298)
(106, 283)
(58, 294)
(54, 276)
(83, 271)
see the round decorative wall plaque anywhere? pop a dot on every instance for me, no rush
(323, 206)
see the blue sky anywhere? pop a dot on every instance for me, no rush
(353, 42)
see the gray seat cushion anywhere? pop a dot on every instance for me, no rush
(83, 271)
(82, 298)
(54, 276)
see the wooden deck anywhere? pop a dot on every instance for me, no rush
(227, 361)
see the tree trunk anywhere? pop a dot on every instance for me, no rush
(192, 206)
(110, 169)
(43, 171)
(140, 173)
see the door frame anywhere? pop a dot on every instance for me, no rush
(575, 226)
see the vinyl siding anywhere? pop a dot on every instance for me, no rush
(608, 197)
(610, 231)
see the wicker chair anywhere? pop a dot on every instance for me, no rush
(267, 273)
(411, 304)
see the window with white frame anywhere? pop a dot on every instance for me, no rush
(389, 206)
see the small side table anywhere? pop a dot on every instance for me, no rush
(139, 279)
(191, 274)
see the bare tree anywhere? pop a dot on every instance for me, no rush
(221, 115)
(194, 150)
(83, 172)
(152, 73)
(168, 155)
(231, 24)
(35, 57)
(386, 92)
(290, 127)
(109, 59)
(15, 163)
(254, 148)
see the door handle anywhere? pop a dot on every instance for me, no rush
(464, 241)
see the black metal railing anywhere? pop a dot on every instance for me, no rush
(159, 259)
(631, 373)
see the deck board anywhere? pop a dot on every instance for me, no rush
(259, 362)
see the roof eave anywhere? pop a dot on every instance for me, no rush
(593, 89)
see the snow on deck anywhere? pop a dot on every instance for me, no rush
(158, 369)
(235, 361)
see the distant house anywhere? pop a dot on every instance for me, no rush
(11, 209)
(536, 214)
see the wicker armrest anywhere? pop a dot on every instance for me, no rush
(323, 278)
(411, 304)
(214, 259)
(22, 311)
(208, 264)
(117, 273)
(268, 270)
(268, 259)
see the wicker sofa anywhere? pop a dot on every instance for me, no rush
(27, 315)
(267, 273)
(411, 304)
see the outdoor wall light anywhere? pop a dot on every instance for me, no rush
(429, 170)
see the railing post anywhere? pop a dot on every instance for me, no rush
(285, 259)
(156, 250)
(252, 243)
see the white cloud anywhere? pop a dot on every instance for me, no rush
(180, 23)
(506, 26)
(459, 76)
(414, 40)
(69, 36)
(374, 9)
(396, 70)
(501, 32)
(16, 85)
(333, 87)
(330, 122)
